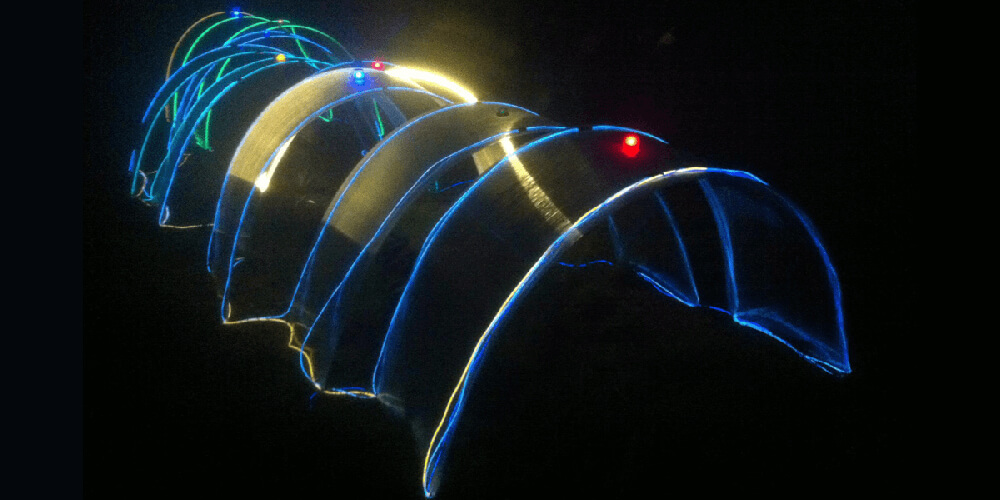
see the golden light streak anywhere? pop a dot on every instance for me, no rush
(431, 77)
(294, 343)
(536, 194)
(488, 156)
(170, 226)
(264, 179)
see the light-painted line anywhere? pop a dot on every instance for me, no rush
(535, 193)
(420, 75)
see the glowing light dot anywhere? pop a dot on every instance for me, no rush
(359, 76)
(630, 146)
(378, 65)
(280, 58)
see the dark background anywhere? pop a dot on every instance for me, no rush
(818, 100)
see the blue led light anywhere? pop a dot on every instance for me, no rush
(358, 76)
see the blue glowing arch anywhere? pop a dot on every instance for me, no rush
(468, 270)
(191, 92)
(261, 152)
(394, 222)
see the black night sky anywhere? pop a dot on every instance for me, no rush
(819, 100)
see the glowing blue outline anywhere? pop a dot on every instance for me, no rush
(831, 276)
(290, 25)
(145, 142)
(266, 35)
(180, 120)
(271, 158)
(164, 215)
(414, 191)
(190, 93)
(190, 66)
(265, 65)
(615, 128)
(680, 243)
(553, 251)
(171, 138)
(357, 171)
(268, 163)
(211, 28)
(160, 107)
(222, 52)
(727, 245)
(397, 314)
(616, 238)
(586, 264)
(218, 77)
(459, 183)
(663, 289)
(218, 205)
(835, 290)
(190, 90)
(824, 365)
(225, 183)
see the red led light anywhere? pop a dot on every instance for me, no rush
(378, 65)
(630, 146)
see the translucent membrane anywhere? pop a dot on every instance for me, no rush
(221, 67)
(193, 189)
(380, 217)
(513, 224)
(188, 193)
(279, 187)
(396, 222)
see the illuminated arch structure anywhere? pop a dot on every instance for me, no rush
(394, 222)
